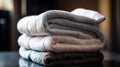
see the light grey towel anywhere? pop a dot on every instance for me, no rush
(49, 58)
(59, 43)
(58, 22)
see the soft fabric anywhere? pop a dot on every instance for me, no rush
(58, 22)
(49, 58)
(59, 43)
(89, 13)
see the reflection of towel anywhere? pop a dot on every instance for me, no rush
(58, 22)
(26, 63)
(59, 43)
(49, 58)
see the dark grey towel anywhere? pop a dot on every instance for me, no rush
(50, 58)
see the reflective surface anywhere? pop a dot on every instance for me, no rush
(12, 59)
(9, 59)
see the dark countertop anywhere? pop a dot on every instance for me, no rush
(9, 59)
(12, 59)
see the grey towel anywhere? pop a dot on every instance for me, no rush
(49, 58)
(58, 22)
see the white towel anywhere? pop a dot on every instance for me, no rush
(89, 13)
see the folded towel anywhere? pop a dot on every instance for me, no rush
(59, 43)
(49, 58)
(58, 22)
(27, 63)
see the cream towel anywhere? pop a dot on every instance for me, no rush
(59, 43)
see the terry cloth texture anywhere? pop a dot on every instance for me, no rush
(50, 58)
(59, 43)
(58, 22)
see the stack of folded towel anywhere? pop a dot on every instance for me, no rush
(58, 37)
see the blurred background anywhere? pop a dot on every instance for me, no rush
(12, 10)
